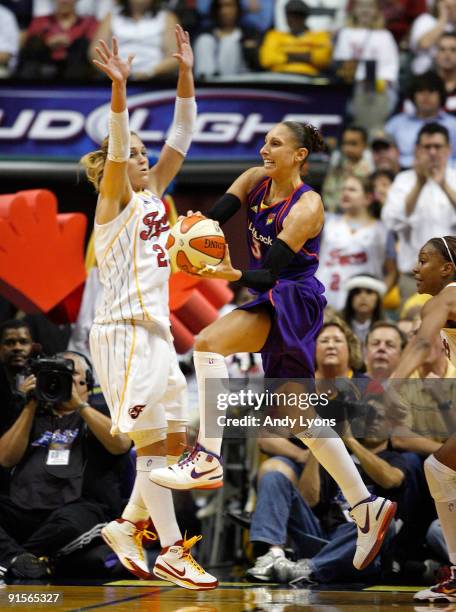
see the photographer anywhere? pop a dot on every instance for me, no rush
(65, 477)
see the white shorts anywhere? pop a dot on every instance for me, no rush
(139, 375)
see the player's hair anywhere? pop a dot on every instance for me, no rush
(382, 324)
(94, 162)
(306, 135)
(13, 324)
(440, 246)
(355, 359)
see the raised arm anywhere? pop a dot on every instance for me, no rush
(115, 188)
(180, 134)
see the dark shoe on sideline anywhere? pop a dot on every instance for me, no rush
(27, 565)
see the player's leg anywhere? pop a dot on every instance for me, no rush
(238, 331)
(440, 469)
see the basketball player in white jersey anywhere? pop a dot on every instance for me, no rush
(130, 341)
(435, 274)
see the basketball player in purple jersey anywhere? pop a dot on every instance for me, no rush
(285, 220)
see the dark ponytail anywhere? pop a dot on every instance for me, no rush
(306, 136)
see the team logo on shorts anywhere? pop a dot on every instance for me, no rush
(135, 411)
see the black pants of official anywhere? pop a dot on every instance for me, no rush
(43, 532)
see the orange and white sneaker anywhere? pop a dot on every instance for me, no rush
(126, 538)
(176, 564)
(373, 517)
(444, 592)
(200, 469)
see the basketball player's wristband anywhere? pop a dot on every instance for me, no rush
(119, 137)
(183, 126)
(278, 257)
(224, 208)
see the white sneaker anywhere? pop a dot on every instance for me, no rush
(176, 564)
(201, 469)
(444, 592)
(125, 538)
(373, 518)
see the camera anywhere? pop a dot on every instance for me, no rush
(54, 378)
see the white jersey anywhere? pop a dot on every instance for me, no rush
(448, 335)
(133, 263)
(345, 253)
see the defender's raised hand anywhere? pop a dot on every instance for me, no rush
(184, 54)
(111, 63)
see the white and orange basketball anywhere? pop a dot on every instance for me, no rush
(196, 241)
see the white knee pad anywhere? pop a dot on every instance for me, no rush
(177, 426)
(441, 480)
(144, 437)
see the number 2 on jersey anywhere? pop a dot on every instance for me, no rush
(162, 261)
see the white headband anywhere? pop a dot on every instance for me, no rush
(449, 252)
(366, 282)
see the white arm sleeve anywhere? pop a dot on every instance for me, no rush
(181, 130)
(119, 137)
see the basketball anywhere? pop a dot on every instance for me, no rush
(196, 241)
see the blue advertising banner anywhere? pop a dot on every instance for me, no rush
(62, 123)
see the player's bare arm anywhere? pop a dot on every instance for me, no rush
(115, 188)
(172, 158)
(305, 221)
(435, 314)
(245, 183)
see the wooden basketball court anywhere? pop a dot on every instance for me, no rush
(154, 596)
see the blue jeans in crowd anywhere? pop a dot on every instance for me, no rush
(281, 511)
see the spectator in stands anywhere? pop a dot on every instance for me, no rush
(9, 42)
(431, 417)
(97, 8)
(385, 152)
(427, 30)
(324, 15)
(445, 64)
(299, 50)
(256, 14)
(384, 345)
(427, 92)
(145, 31)
(421, 202)
(316, 508)
(227, 48)
(56, 45)
(381, 184)
(354, 243)
(363, 307)
(353, 158)
(65, 478)
(370, 52)
(399, 16)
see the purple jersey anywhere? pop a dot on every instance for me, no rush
(296, 302)
(264, 224)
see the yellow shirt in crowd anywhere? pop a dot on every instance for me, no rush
(278, 45)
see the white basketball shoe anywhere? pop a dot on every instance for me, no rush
(201, 469)
(176, 564)
(125, 538)
(373, 517)
(444, 592)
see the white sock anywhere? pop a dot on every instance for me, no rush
(158, 500)
(277, 551)
(208, 365)
(331, 453)
(135, 510)
(447, 514)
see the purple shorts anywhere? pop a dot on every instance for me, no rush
(296, 309)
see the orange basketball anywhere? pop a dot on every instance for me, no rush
(196, 241)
